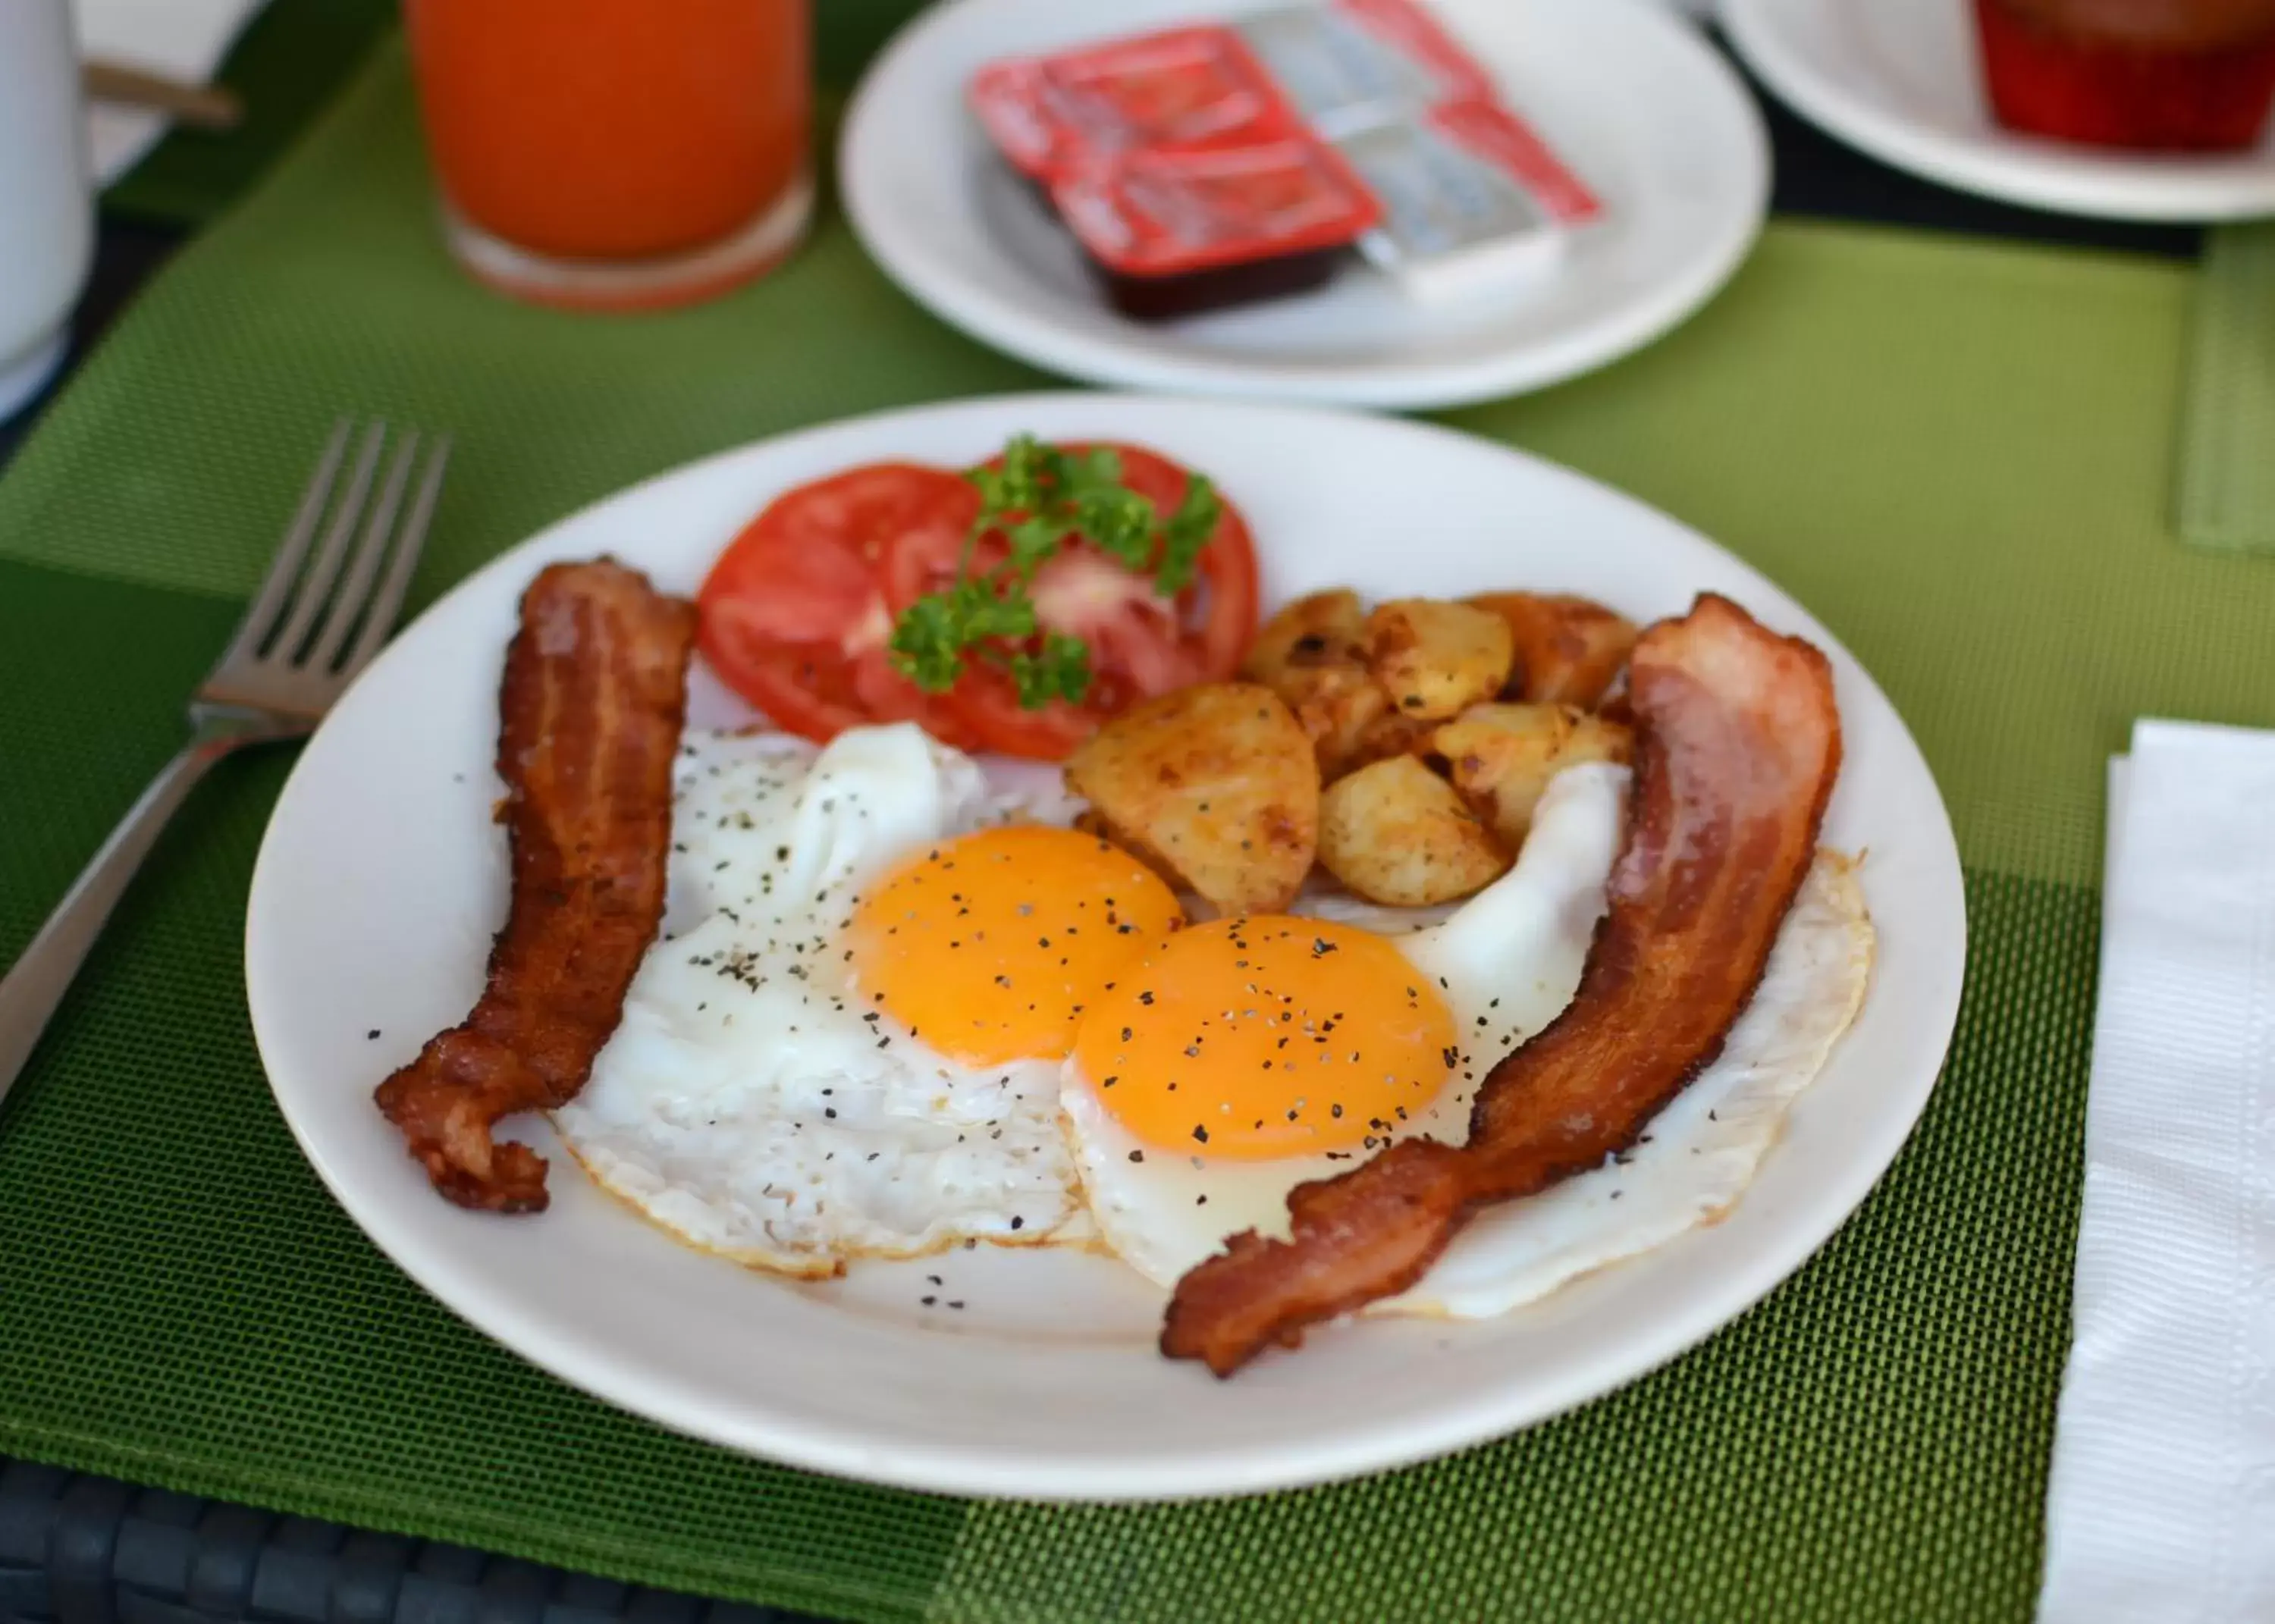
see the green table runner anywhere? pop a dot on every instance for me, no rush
(1959, 456)
(2226, 489)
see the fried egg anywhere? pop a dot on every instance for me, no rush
(1247, 1056)
(1181, 1139)
(759, 1100)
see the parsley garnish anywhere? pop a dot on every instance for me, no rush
(1041, 499)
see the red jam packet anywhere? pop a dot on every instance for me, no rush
(1362, 59)
(1166, 212)
(1501, 139)
(1184, 88)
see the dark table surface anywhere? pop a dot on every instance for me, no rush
(77, 1548)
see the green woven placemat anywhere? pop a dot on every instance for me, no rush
(1959, 456)
(2227, 488)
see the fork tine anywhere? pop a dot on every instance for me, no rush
(316, 587)
(387, 603)
(363, 566)
(260, 619)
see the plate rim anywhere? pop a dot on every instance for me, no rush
(2010, 169)
(1109, 360)
(956, 1468)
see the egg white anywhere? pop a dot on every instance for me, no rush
(751, 1102)
(1694, 1161)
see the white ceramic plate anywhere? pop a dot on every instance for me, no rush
(1642, 108)
(1902, 80)
(382, 879)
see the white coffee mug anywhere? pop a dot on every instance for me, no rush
(47, 207)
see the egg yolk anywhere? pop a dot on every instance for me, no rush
(991, 947)
(1266, 1037)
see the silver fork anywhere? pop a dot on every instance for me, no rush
(324, 611)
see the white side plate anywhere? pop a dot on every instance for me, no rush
(1644, 110)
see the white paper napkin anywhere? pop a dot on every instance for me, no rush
(184, 38)
(2161, 1504)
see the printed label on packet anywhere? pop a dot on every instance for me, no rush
(1185, 88)
(1452, 224)
(1161, 213)
(1471, 197)
(1352, 63)
(1497, 135)
(1007, 99)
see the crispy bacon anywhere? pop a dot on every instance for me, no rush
(1738, 745)
(589, 711)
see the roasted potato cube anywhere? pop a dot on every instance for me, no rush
(1333, 703)
(1501, 757)
(1215, 785)
(1394, 832)
(1568, 649)
(1352, 723)
(1392, 733)
(1315, 631)
(1311, 653)
(1434, 658)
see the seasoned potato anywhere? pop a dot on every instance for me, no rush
(1392, 733)
(1214, 786)
(1309, 633)
(1351, 720)
(1312, 654)
(1501, 757)
(1352, 724)
(1335, 703)
(1567, 649)
(1434, 658)
(1394, 832)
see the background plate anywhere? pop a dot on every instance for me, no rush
(1902, 80)
(1643, 109)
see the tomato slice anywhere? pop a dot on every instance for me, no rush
(887, 696)
(987, 706)
(1218, 613)
(794, 616)
(797, 612)
(928, 560)
(804, 690)
(1141, 645)
(1228, 619)
(1132, 631)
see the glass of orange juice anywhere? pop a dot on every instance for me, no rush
(617, 154)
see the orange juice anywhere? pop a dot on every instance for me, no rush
(617, 152)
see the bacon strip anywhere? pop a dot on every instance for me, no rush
(1738, 745)
(590, 712)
